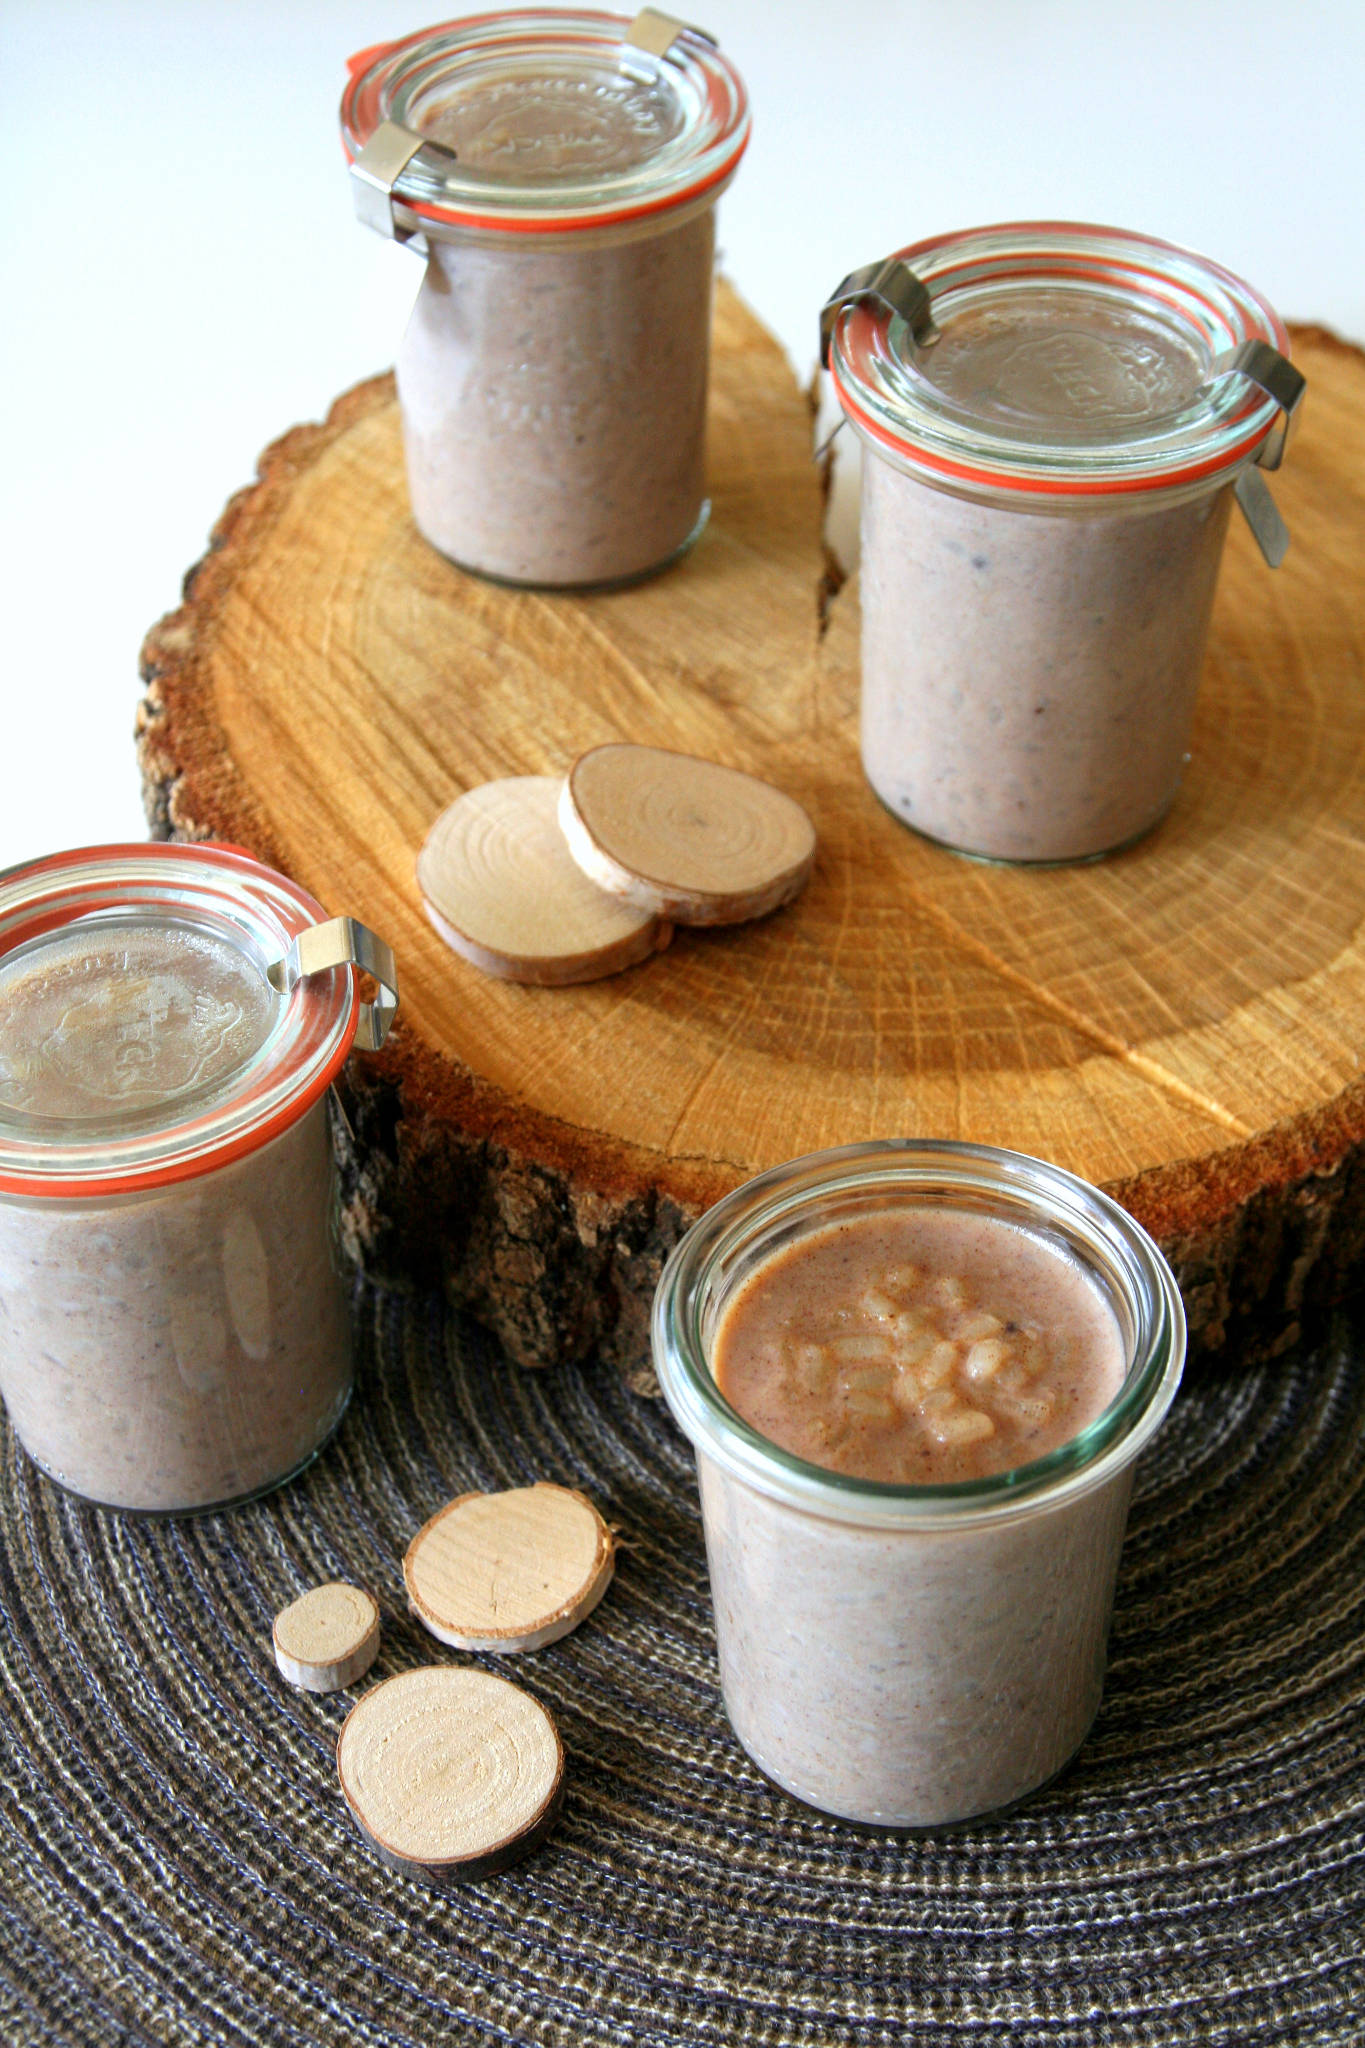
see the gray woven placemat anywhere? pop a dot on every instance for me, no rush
(176, 1865)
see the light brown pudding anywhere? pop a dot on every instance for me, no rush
(175, 1346)
(919, 1347)
(184, 1347)
(1054, 416)
(916, 1376)
(554, 401)
(561, 171)
(914, 1677)
(1029, 678)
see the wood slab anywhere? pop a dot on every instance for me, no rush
(509, 1571)
(451, 1772)
(1182, 1023)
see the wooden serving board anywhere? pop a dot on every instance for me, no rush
(1182, 1023)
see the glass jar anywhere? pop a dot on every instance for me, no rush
(174, 1325)
(1054, 419)
(913, 1656)
(562, 180)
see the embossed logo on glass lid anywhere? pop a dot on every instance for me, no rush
(1062, 361)
(539, 127)
(112, 1020)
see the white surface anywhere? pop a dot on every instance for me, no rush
(185, 279)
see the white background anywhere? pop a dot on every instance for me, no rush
(183, 278)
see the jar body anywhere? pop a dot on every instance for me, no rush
(185, 1346)
(553, 395)
(910, 1678)
(914, 1656)
(1029, 677)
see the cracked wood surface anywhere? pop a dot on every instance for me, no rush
(1182, 1023)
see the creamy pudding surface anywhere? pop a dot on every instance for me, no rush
(919, 1347)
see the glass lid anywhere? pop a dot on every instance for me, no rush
(1058, 357)
(141, 1041)
(549, 120)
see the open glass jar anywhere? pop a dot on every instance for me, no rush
(560, 171)
(174, 1325)
(914, 1656)
(1055, 419)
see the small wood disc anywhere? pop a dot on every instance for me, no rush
(499, 885)
(328, 1638)
(509, 1571)
(451, 1771)
(696, 842)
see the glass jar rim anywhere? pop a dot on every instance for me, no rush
(231, 897)
(893, 405)
(1042, 1194)
(709, 95)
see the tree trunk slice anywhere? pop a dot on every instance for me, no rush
(328, 1638)
(451, 1772)
(692, 840)
(1181, 1023)
(509, 1571)
(501, 887)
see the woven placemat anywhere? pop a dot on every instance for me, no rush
(176, 1864)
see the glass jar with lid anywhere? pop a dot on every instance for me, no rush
(560, 172)
(916, 1655)
(1055, 419)
(174, 1323)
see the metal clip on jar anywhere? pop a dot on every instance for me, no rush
(174, 1325)
(1057, 419)
(559, 171)
(914, 1656)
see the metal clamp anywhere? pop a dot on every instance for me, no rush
(343, 942)
(1262, 514)
(376, 172)
(890, 284)
(655, 33)
(1275, 374)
